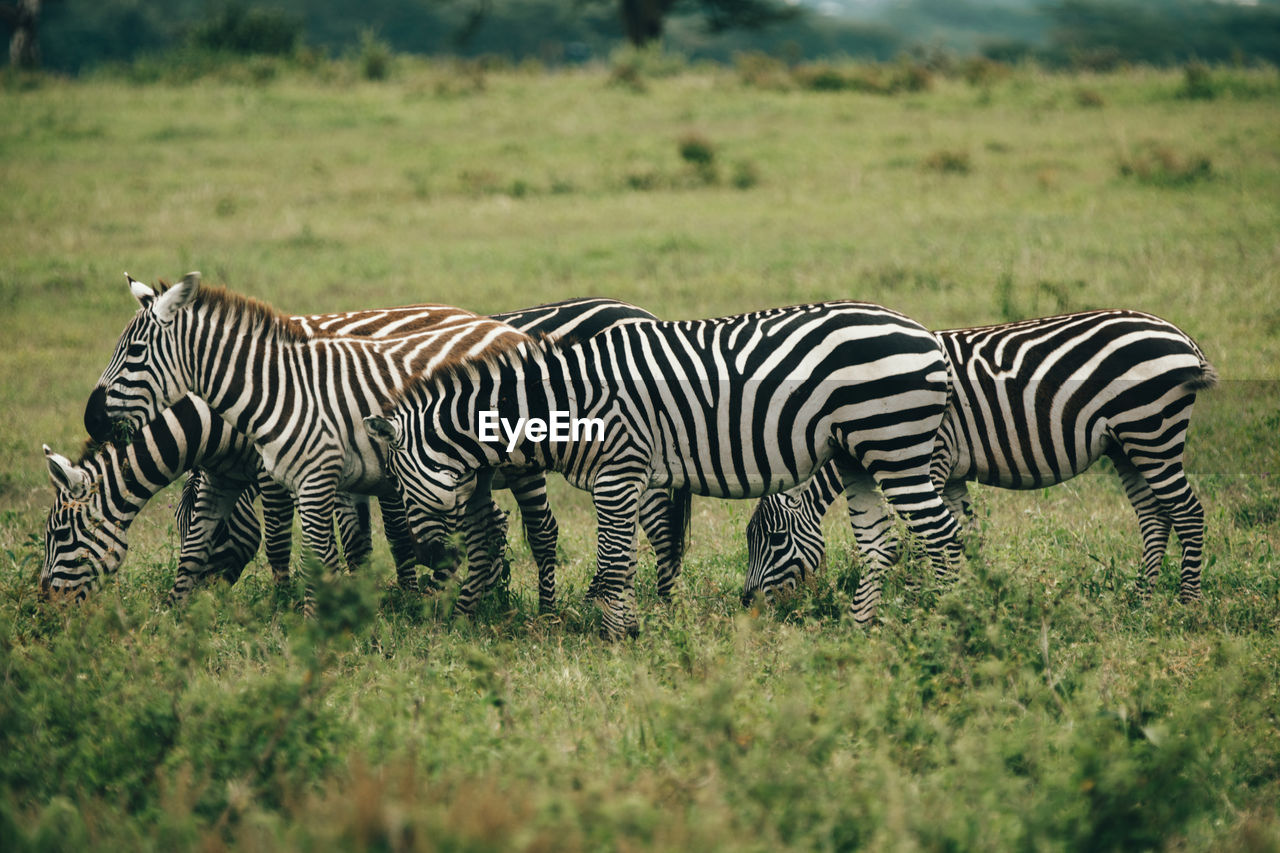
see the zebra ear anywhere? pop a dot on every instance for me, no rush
(66, 477)
(176, 298)
(381, 429)
(140, 291)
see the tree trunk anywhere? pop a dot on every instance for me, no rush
(24, 49)
(642, 20)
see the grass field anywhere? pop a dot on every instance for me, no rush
(1038, 704)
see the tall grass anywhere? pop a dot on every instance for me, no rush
(1038, 704)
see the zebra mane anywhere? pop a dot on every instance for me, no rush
(501, 354)
(92, 449)
(237, 304)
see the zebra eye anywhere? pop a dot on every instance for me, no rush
(135, 350)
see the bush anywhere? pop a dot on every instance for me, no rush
(248, 30)
(1159, 165)
(1197, 83)
(700, 154)
(949, 162)
(374, 57)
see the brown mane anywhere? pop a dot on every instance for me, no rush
(498, 354)
(229, 302)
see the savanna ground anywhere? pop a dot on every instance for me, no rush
(1038, 704)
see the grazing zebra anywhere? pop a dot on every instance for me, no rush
(571, 318)
(734, 407)
(1035, 403)
(86, 534)
(576, 317)
(299, 398)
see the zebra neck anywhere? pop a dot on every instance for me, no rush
(185, 435)
(228, 362)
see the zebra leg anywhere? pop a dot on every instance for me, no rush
(540, 530)
(617, 511)
(1153, 524)
(235, 541)
(955, 494)
(316, 497)
(352, 514)
(915, 499)
(655, 519)
(210, 512)
(396, 528)
(238, 538)
(877, 544)
(1178, 504)
(485, 525)
(664, 518)
(277, 521)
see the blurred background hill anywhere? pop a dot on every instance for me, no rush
(75, 36)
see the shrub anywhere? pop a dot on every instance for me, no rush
(247, 30)
(374, 57)
(1159, 165)
(761, 70)
(1197, 83)
(745, 175)
(700, 154)
(1089, 98)
(950, 162)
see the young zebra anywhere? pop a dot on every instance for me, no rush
(299, 398)
(1035, 403)
(734, 407)
(86, 534)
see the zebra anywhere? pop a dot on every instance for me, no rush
(575, 317)
(98, 497)
(570, 318)
(299, 398)
(1035, 403)
(732, 407)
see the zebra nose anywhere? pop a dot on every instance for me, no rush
(46, 587)
(748, 597)
(96, 422)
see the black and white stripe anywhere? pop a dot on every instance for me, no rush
(572, 318)
(86, 534)
(734, 407)
(299, 398)
(1035, 403)
(203, 498)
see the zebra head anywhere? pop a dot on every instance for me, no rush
(81, 544)
(433, 484)
(784, 544)
(142, 377)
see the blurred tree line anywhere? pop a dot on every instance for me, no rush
(75, 35)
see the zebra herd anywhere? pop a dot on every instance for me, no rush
(429, 408)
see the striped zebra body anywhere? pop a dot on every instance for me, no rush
(573, 318)
(734, 407)
(298, 397)
(207, 502)
(1035, 403)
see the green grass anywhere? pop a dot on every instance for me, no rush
(1037, 705)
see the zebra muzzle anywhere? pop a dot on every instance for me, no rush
(96, 421)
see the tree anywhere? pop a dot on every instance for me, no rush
(24, 17)
(642, 20)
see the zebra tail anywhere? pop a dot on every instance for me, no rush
(1203, 378)
(678, 520)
